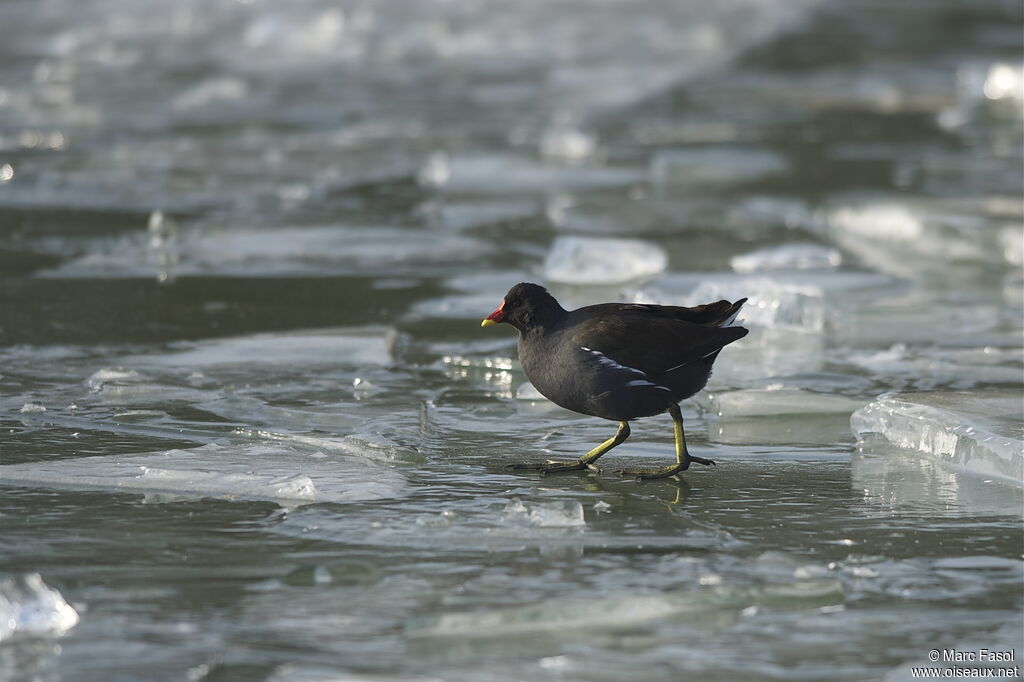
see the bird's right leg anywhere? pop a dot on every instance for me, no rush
(585, 462)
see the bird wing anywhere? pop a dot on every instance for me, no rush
(652, 343)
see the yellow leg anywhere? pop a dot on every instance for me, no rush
(683, 456)
(585, 462)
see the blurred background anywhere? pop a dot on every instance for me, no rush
(249, 425)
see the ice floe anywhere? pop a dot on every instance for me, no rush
(611, 612)
(703, 166)
(568, 514)
(341, 346)
(292, 251)
(231, 472)
(788, 257)
(593, 260)
(977, 432)
(768, 402)
(31, 608)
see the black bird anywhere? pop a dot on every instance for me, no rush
(617, 361)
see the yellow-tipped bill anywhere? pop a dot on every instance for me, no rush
(495, 317)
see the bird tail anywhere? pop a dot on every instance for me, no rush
(729, 320)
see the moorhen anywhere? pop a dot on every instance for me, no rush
(617, 361)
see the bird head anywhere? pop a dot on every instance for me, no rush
(525, 306)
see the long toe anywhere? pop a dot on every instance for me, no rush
(651, 474)
(550, 466)
(701, 460)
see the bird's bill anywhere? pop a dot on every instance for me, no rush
(497, 316)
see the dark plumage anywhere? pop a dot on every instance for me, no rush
(618, 361)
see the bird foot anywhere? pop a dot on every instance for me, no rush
(664, 472)
(552, 466)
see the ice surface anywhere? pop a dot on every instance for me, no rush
(978, 432)
(29, 607)
(566, 143)
(788, 257)
(767, 402)
(98, 379)
(348, 346)
(518, 175)
(894, 477)
(604, 612)
(288, 251)
(935, 366)
(715, 165)
(593, 260)
(249, 471)
(528, 391)
(905, 238)
(568, 514)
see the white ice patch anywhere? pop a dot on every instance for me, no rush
(567, 514)
(232, 472)
(788, 257)
(29, 607)
(906, 238)
(593, 260)
(765, 402)
(288, 251)
(519, 175)
(930, 367)
(975, 432)
(625, 610)
(703, 166)
(340, 346)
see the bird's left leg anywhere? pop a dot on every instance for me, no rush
(683, 456)
(585, 462)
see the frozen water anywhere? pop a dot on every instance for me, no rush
(979, 432)
(567, 514)
(561, 615)
(291, 251)
(906, 238)
(352, 347)
(770, 303)
(528, 391)
(932, 367)
(519, 175)
(907, 479)
(704, 166)
(593, 260)
(566, 143)
(264, 472)
(788, 257)
(767, 402)
(108, 375)
(31, 608)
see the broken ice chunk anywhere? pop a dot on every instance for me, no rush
(771, 303)
(788, 257)
(29, 607)
(347, 346)
(249, 471)
(568, 514)
(592, 260)
(511, 174)
(977, 432)
(566, 143)
(715, 165)
(528, 391)
(765, 402)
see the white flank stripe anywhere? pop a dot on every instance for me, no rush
(608, 362)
